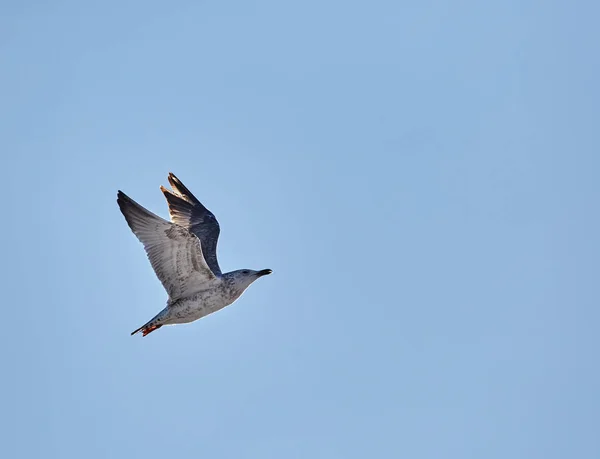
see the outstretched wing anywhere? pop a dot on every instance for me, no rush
(187, 211)
(174, 253)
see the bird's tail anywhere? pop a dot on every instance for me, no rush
(147, 328)
(153, 324)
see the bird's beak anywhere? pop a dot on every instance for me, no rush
(264, 272)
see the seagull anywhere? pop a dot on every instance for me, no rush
(183, 254)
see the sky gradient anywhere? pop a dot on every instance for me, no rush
(422, 177)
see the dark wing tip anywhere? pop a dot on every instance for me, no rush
(179, 208)
(174, 181)
(181, 189)
(128, 208)
(135, 214)
(123, 197)
(174, 198)
(124, 201)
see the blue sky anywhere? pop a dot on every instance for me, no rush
(422, 177)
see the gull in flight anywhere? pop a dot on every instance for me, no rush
(183, 254)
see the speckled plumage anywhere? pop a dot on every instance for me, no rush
(183, 255)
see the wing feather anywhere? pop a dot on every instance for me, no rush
(174, 253)
(190, 213)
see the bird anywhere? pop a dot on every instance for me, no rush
(183, 254)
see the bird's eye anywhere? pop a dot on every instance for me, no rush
(245, 271)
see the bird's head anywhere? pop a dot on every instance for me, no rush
(242, 278)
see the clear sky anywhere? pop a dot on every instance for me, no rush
(422, 177)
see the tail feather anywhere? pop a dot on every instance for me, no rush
(146, 329)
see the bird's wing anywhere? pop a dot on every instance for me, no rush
(174, 253)
(187, 211)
